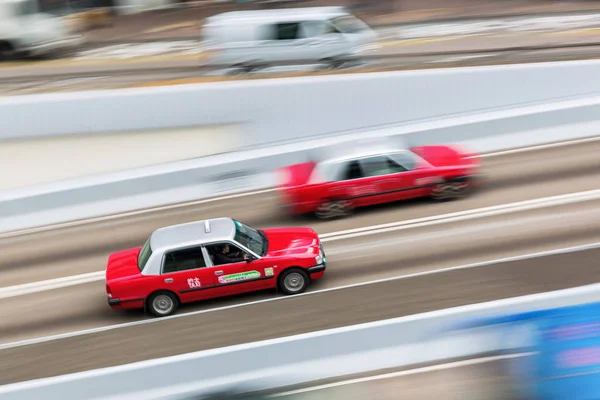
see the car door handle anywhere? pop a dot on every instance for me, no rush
(169, 280)
(218, 272)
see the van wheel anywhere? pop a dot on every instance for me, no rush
(7, 51)
(333, 64)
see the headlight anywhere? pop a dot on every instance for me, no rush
(320, 258)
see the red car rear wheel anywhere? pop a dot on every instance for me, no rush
(330, 209)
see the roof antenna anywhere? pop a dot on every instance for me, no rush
(207, 226)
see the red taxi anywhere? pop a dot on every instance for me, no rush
(212, 258)
(332, 188)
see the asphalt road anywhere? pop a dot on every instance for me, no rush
(379, 254)
(109, 69)
(476, 379)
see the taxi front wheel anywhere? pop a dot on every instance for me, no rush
(293, 281)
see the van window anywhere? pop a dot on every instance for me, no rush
(287, 31)
(318, 28)
(349, 24)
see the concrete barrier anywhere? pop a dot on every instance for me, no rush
(73, 156)
(252, 169)
(279, 110)
(393, 343)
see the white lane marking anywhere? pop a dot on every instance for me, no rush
(500, 25)
(41, 286)
(547, 253)
(253, 193)
(398, 374)
(50, 284)
(131, 50)
(461, 58)
(465, 215)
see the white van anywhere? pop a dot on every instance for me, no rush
(25, 31)
(256, 39)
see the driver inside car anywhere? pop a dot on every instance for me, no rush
(224, 256)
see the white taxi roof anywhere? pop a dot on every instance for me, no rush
(196, 232)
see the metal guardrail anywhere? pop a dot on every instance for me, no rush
(308, 357)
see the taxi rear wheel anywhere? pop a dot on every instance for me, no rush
(162, 304)
(331, 209)
(450, 190)
(293, 281)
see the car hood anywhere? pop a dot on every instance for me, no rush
(123, 264)
(292, 241)
(444, 156)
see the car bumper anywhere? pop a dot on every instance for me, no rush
(117, 303)
(316, 269)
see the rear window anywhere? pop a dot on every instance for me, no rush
(349, 24)
(144, 255)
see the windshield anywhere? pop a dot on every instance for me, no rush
(144, 255)
(27, 7)
(349, 24)
(252, 238)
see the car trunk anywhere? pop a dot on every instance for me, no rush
(122, 264)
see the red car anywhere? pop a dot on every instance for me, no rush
(212, 258)
(333, 188)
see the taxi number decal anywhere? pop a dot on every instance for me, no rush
(269, 272)
(194, 283)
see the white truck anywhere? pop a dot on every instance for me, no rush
(27, 32)
(249, 40)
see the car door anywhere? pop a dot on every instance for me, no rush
(419, 177)
(386, 175)
(286, 42)
(185, 272)
(323, 40)
(352, 184)
(237, 277)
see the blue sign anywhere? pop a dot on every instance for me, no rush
(566, 347)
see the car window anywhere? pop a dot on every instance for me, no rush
(352, 170)
(318, 28)
(286, 31)
(405, 159)
(349, 24)
(183, 260)
(380, 165)
(234, 255)
(250, 238)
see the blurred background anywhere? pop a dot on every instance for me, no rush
(88, 171)
(88, 37)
